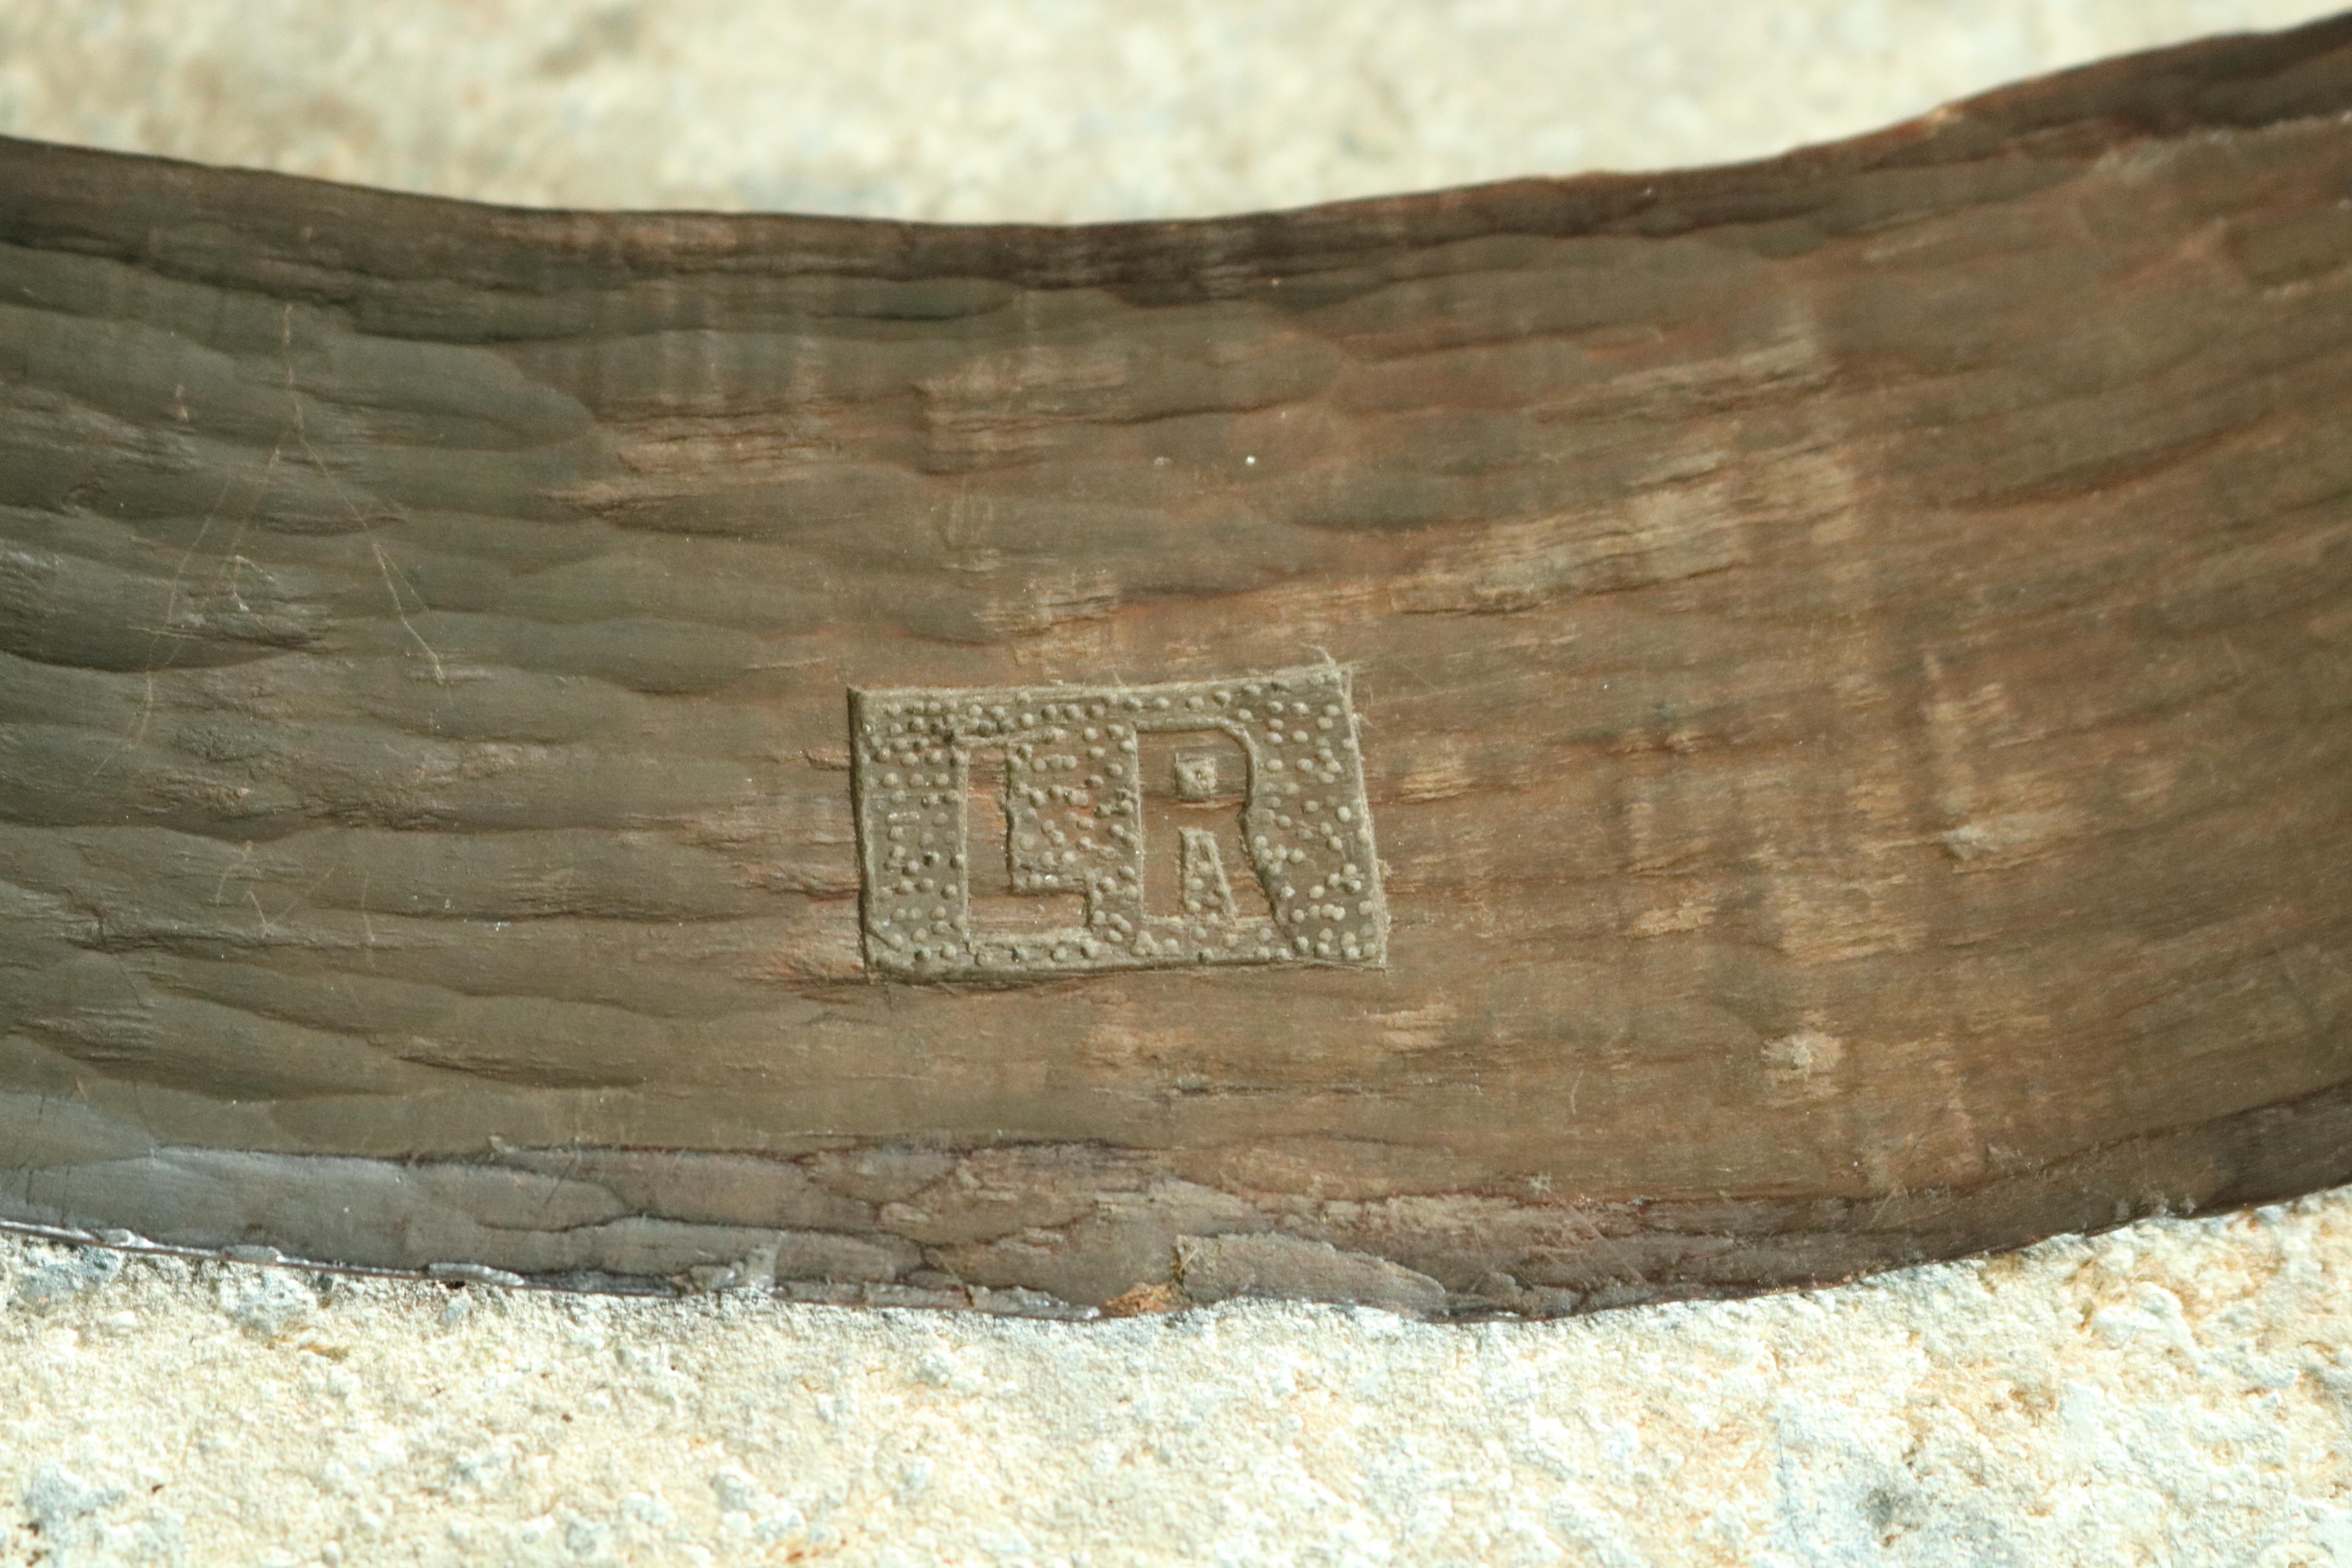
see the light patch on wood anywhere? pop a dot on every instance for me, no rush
(1685, 917)
(1829, 922)
(1439, 771)
(1803, 1065)
(2008, 839)
(1418, 1028)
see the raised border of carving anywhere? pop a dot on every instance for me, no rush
(1073, 797)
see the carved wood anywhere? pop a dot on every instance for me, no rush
(1847, 672)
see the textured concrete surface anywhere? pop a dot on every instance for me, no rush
(2176, 1392)
(1046, 110)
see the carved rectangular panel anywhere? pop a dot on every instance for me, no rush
(1020, 833)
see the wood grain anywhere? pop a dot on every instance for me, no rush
(1852, 654)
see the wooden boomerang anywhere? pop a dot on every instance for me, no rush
(1520, 749)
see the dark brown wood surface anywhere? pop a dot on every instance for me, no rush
(1851, 659)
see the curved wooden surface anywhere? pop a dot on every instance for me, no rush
(1847, 661)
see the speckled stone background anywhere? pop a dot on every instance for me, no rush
(2176, 1393)
(996, 109)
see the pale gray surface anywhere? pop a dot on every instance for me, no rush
(997, 110)
(2174, 1393)
(2179, 1393)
